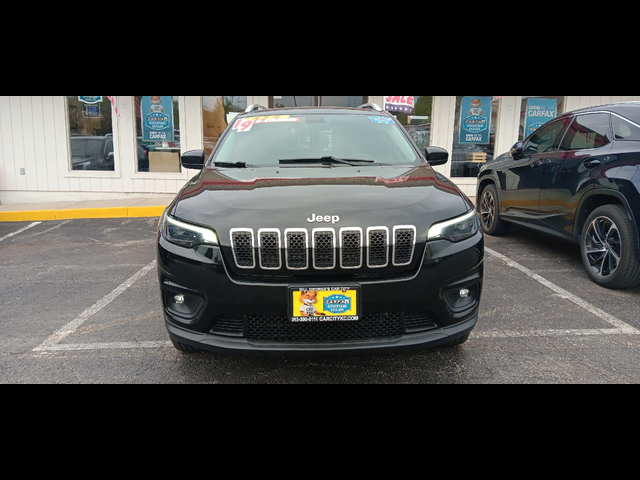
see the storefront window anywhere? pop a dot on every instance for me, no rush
(418, 123)
(536, 111)
(158, 134)
(317, 100)
(474, 136)
(352, 102)
(91, 133)
(297, 101)
(218, 112)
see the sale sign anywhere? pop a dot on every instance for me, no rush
(246, 124)
(400, 104)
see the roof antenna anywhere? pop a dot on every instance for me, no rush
(295, 101)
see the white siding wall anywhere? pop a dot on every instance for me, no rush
(573, 103)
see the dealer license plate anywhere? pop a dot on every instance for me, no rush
(324, 304)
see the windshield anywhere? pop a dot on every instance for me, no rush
(267, 140)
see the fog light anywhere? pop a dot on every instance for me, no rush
(461, 299)
(183, 306)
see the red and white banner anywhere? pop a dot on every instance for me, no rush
(113, 102)
(400, 104)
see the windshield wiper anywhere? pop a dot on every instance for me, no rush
(325, 160)
(230, 165)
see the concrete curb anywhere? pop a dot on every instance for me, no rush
(83, 213)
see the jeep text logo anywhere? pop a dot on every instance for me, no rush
(326, 219)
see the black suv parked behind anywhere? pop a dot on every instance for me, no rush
(319, 230)
(577, 178)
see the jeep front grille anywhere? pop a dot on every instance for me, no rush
(324, 248)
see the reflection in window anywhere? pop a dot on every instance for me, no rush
(474, 145)
(625, 130)
(418, 124)
(217, 113)
(352, 102)
(587, 132)
(91, 133)
(545, 139)
(536, 111)
(158, 155)
(297, 101)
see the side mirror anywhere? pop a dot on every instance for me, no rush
(517, 150)
(193, 159)
(436, 156)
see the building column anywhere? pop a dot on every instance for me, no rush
(442, 123)
(508, 130)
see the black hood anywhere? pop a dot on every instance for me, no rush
(286, 197)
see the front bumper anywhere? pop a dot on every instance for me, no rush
(223, 310)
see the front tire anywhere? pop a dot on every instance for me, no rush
(489, 208)
(609, 248)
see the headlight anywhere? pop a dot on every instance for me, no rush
(186, 235)
(457, 229)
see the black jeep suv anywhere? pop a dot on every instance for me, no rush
(319, 230)
(577, 178)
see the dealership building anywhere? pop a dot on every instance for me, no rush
(70, 148)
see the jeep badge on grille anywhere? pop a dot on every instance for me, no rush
(323, 219)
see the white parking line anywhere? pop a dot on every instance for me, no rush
(621, 328)
(72, 326)
(108, 346)
(51, 229)
(34, 224)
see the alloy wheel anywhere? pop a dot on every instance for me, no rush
(603, 247)
(488, 210)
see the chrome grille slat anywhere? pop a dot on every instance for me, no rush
(404, 244)
(269, 249)
(324, 246)
(296, 248)
(351, 243)
(377, 247)
(243, 246)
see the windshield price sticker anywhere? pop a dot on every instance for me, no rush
(382, 120)
(246, 124)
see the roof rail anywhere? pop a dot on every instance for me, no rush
(255, 107)
(372, 106)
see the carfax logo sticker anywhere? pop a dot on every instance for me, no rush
(246, 124)
(475, 120)
(157, 115)
(337, 304)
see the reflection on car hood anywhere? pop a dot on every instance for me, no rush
(286, 197)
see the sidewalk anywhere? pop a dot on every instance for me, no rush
(134, 207)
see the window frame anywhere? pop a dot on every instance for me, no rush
(115, 130)
(610, 135)
(137, 174)
(556, 146)
(625, 119)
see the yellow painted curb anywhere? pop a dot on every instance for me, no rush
(140, 212)
(84, 213)
(28, 216)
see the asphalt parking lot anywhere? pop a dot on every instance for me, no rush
(80, 304)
